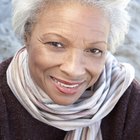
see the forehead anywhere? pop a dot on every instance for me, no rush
(74, 17)
(74, 12)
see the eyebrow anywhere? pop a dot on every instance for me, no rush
(97, 42)
(54, 34)
(60, 36)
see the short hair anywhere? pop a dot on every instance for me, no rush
(25, 15)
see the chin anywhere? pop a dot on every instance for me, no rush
(65, 103)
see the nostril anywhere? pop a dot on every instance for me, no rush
(73, 70)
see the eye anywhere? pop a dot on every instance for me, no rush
(55, 44)
(94, 51)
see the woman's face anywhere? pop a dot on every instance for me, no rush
(67, 50)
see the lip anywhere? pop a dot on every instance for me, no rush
(72, 86)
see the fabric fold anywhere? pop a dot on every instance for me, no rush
(82, 119)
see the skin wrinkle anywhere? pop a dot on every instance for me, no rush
(27, 13)
(65, 39)
(68, 13)
(67, 36)
(68, 63)
(64, 30)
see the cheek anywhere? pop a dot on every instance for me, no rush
(95, 71)
(36, 64)
(39, 59)
(37, 69)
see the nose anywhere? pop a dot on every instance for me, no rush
(74, 65)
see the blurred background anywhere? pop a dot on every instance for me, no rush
(127, 52)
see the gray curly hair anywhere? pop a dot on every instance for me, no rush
(25, 15)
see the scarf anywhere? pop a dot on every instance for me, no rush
(82, 119)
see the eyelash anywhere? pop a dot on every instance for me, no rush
(55, 44)
(94, 51)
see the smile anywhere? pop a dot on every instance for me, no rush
(66, 87)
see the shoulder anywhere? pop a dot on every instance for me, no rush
(3, 107)
(3, 68)
(133, 99)
(134, 94)
(132, 116)
(130, 101)
(124, 120)
(3, 82)
(135, 85)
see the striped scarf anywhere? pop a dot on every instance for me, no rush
(82, 119)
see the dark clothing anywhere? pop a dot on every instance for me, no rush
(123, 123)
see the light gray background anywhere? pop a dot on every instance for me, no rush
(128, 52)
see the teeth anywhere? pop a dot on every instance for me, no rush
(66, 86)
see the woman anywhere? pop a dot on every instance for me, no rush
(64, 83)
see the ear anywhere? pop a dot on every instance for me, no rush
(27, 39)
